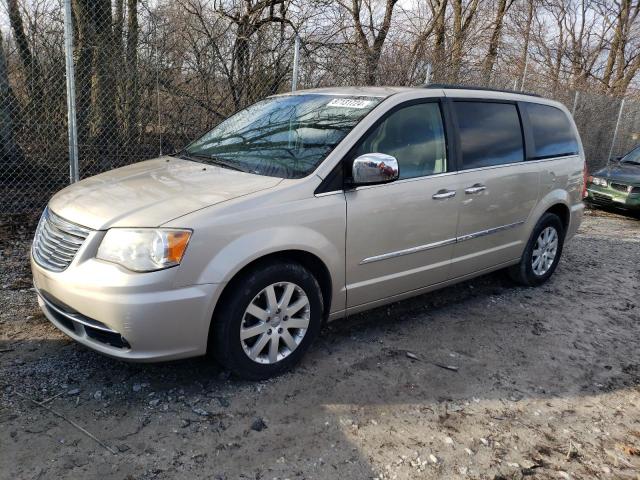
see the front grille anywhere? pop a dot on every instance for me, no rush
(621, 187)
(601, 198)
(57, 241)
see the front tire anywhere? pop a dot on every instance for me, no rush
(542, 253)
(268, 320)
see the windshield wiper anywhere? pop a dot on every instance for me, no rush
(213, 161)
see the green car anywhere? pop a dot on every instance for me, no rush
(618, 184)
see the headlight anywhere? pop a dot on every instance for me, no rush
(144, 249)
(599, 181)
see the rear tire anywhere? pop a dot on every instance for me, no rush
(257, 330)
(542, 253)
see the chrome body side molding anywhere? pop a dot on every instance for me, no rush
(429, 246)
(408, 251)
(489, 231)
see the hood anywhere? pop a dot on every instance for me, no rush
(623, 172)
(150, 193)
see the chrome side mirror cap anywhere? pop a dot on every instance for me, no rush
(373, 168)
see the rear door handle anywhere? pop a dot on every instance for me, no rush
(477, 188)
(443, 194)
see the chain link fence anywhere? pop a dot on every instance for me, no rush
(152, 76)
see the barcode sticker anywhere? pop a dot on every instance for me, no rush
(349, 103)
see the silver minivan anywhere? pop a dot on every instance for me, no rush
(307, 207)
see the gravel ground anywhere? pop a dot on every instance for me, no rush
(542, 383)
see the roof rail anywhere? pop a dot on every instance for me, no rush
(467, 87)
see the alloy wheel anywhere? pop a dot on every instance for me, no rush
(275, 322)
(544, 251)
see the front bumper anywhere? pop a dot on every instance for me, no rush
(136, 317)
(609, 197)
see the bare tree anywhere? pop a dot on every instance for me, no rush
(153, 74)
(84, 48)
(29, 61)
(370, 36)
(104, 79)
(526, 28)
(249, 17)
(439, 9)
(494, 42)
(587, 35)
(131, 106)
(10, 151)
(623, 60)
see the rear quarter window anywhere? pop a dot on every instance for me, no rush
(553, 134)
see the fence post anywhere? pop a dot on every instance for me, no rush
(615, 131)
(74, 174)
(524, 72)
(296, 63)
(575, 103)
(427, 79)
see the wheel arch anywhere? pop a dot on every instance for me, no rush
(563, 212)
(310, 261)
(557, 202)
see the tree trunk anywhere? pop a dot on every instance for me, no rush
(29, 62)
(456, 43)
(104, 83)
(461, 24)
(83, 52)
(241, 53)
(34, 110)
(439, 52)
(372, 51)
(10, 152)
(119, 59)
(131, 90)
(616, 44)
(494, 41)
(527, 39)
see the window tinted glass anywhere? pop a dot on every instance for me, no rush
(490, 134)
(285, 136)
(632, 157)
(552, 132)
(415, 136)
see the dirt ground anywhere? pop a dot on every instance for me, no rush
(545, 384)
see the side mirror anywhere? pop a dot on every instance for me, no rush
(374, 168)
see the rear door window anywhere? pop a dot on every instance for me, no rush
(490, 133)
(553, 135)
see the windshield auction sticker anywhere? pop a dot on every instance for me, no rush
(349, 103)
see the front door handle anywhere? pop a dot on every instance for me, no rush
(443, 194)
(477, 188)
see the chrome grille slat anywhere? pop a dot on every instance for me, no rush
(60, 240)
(53, 231)
(57, 241)
(63, 250)
(51, 262)
(53, 254)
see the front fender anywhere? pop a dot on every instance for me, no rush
(240, 252)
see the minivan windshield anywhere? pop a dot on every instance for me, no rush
(632, 157)
(285, 136)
